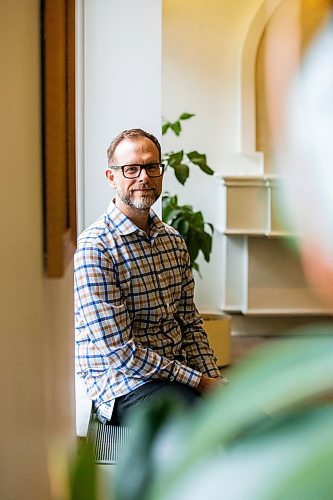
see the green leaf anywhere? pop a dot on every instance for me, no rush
(168, 200)
(186, 116)
(182, 172)
(185, 228)
(206, 169)
(176, 223)
(165, 128)
(190, 224)
(196, 157)
(205, 245)
(169, 203)
(175, 158)
(198, 221)
(176, 127)
(200, 160)
(174, 213)
(195, 266)
(210, 226)
(193, 245)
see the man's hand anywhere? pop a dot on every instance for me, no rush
(207, 384)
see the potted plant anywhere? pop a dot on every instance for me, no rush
(190, 223)
(196, 232)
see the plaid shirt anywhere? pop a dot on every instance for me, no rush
(135, 316)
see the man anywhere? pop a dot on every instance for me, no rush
(138, 332)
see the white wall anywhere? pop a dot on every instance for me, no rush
(120, 88)
(202, 44)
(36, 355)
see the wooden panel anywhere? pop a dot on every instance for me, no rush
(276, 283)
(247, 209)
(58, 67)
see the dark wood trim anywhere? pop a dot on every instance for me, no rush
(59, 133)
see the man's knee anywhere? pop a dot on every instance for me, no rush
(154, 391)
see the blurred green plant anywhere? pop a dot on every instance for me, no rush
(184, 218)
(83, 474)
(265, 436)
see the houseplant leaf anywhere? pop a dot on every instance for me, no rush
(192, 243)
(205, 244)
(169, 203)
(173, 215)
(198, 220)
(182, 172)
(186, 116)
(174, 158)
(165, 128)
(176, 127)
(200, 160)
(185, 227)
(189, 223)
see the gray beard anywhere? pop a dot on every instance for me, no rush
(144, 203)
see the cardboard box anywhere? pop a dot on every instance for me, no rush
(218, 328)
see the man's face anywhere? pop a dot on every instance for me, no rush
(142, 192)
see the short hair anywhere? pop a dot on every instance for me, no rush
(132, 134)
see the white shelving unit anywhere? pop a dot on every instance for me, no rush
(261, 275)
(248, 206)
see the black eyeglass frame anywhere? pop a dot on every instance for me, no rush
(142, 167)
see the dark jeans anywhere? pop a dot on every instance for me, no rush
(154, 390)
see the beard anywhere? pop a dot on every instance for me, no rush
(142, 203)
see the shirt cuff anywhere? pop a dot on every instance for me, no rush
(214, 373)
(185, 375)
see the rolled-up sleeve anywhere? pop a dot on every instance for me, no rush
(199, 354)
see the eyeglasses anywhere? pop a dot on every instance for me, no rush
(134, 171)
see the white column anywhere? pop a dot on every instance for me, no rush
(119, 64)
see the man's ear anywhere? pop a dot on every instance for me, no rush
(110, 177)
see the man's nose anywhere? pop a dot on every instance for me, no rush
(143, 174)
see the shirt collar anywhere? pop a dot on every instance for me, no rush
(124, 225)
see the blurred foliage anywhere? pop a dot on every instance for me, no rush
(265, 436)
(83, 474)
(184, 218)
(146, 425)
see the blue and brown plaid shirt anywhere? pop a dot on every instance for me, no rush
(135, 316)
